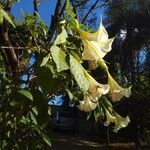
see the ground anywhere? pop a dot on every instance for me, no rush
(68, 141)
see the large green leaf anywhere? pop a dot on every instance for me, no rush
(6, 16)
(41, 105)
(59, 57)
(78, 73)
(45, 79)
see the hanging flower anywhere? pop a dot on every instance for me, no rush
(120, 122)
(116, 92)
(87, 105)
(95, 91)
(109, 118)
(96, 45)
(113, 117)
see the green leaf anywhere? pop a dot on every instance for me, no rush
(6, 16)
(96, 115)
(46, 139)
(105, 102)
(78, 73)
(61, 38)
(26, 94)
(45, 79)
(41, 107)
(69, 94)
(45, 60)
(33, 117)
(59, 57)
(75, 56)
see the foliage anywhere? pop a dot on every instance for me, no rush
(52, 64)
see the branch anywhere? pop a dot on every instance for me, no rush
(20, 48)
(35, 3)
(93, 6)
(54, 19)
(63, 8)
(9, 53)
(78, 4)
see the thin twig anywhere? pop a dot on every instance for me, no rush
(6, 47)
(78, 4)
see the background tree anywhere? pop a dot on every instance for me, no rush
(129, 21)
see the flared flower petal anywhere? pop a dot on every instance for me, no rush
(116, 92)
(113, 117)
(96, 89)
(93, 51)
(120, 122)
(100, 34)
(97, 44)
(87, 105)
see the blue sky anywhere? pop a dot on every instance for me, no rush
(46, 9)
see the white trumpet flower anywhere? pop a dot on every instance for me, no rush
(120, 122)
(116, 92)
(113, 117)
(95, 91)
(87, 105)
(96, 45)
(109, 118)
